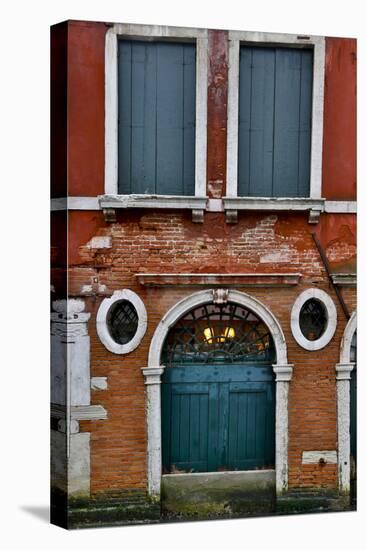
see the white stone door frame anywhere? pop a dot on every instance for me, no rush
(155, 369)
(344, 369)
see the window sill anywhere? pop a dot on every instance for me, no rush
(199, 204)
(108, 203)
(314, 206)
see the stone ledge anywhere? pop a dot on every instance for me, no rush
(344, 279)
(82, 412)
(310, 501)
(219, 279)
(152, 201)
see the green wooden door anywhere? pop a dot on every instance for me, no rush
(218, 417)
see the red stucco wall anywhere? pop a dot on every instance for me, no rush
(339, 144)
(86, 108)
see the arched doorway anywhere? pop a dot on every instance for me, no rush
(218, 392)
(155, 369)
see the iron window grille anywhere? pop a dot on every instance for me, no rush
(122, 321)
(218, 333)
(313, 319)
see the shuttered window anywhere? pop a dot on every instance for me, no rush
(275, 99)
(156, 126)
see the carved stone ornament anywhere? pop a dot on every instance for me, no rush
(69, 320)
(220, 295)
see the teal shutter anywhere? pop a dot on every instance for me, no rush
(156, 126)
(275, 97)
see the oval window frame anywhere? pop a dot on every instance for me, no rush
(331, 311)
(102, 325)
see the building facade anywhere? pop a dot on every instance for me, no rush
(203, 273)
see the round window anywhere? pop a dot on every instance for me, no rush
(313, 319)
(122, 321)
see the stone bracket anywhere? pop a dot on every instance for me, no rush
(231, 216)
(197, 215)
(314, 215)
(109, 215)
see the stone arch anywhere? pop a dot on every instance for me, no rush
(154, 370)
(343, 373)
(204, 297)
(345, 353)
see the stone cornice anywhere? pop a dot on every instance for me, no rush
(218, 279)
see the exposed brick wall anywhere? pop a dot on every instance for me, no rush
(170, 242)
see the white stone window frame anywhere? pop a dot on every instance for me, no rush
(102, 324)
(331, 311)
(314, 202)
(153, 33)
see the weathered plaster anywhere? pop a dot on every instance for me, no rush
(100, 241)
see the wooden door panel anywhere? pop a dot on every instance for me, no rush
(217, 424)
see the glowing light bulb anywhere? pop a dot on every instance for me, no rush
(229, 332)
(209, 334)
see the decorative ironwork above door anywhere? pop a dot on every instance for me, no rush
(218, 333)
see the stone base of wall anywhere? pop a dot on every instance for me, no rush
(203, 500)
(113, 508)
(310, 501)
(218, 494)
